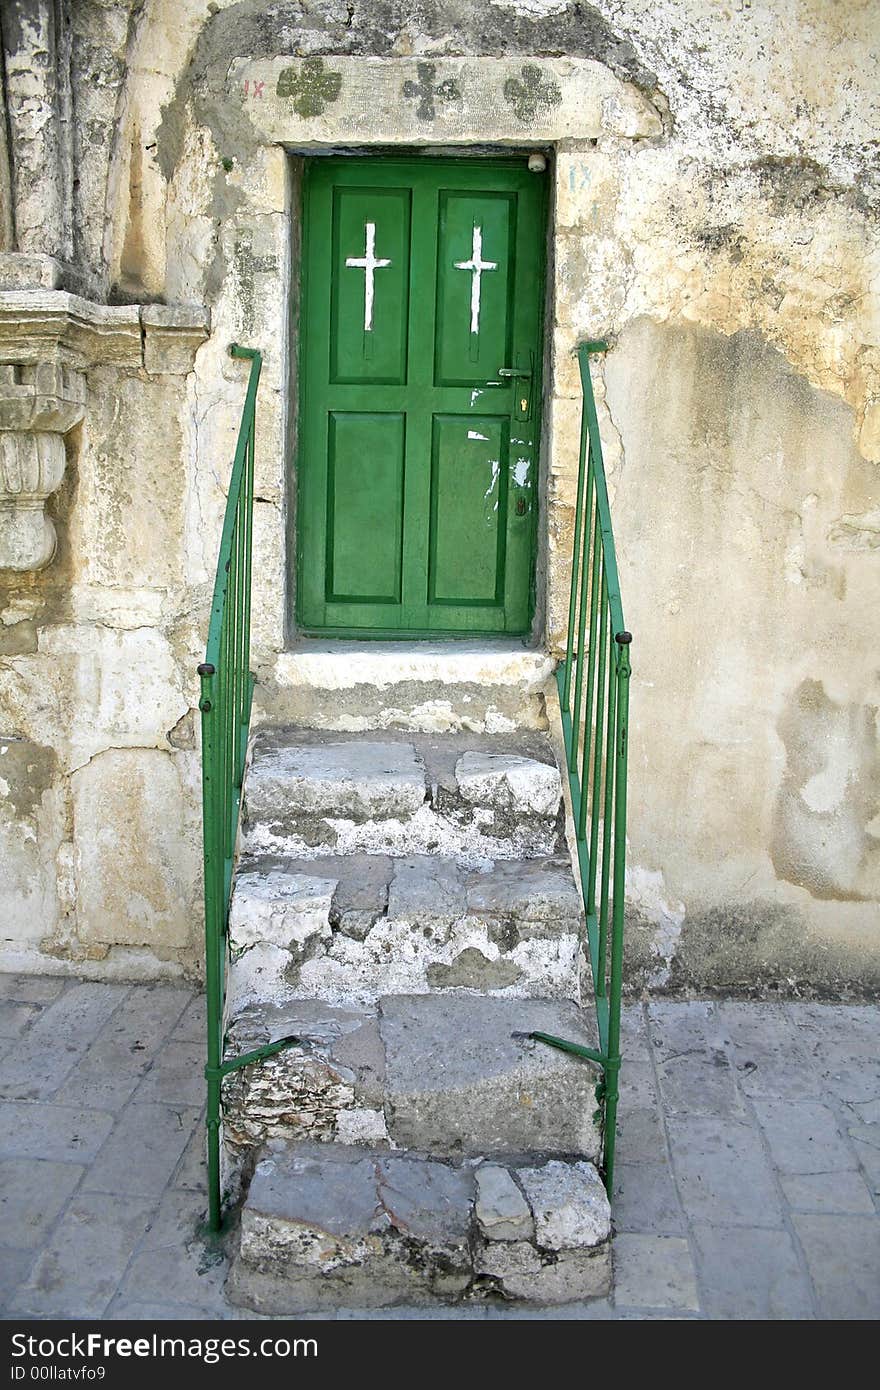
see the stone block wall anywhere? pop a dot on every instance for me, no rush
(713, 215)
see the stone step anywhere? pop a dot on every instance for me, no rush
(339, 1226)
(482, 686)
(348, 928)
(454, 1075)
(474, 797)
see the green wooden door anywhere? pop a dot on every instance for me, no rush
(420, 351)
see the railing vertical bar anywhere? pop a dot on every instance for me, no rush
(612, 1068)
(603, 636)
(235, 680)
(582, 619)
(608, 812)
(598, 570)
(575, 554)
(249, 527)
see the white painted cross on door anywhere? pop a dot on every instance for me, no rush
(369, 265)
(476, 265)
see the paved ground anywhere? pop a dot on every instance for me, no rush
(749, 1159)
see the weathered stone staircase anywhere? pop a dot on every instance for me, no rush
(405, 910)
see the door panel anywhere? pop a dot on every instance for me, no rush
(365, 463)
(417, 456)
(369, 325)
(475, 272)
(469, 479)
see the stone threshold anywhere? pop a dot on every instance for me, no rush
(493, 685)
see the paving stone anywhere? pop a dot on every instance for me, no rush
(654, 1272)
(331, 1188)
(679, 1027)
(180, 1217)
(765, 1050)
(31, 1129)
(191, 1272)
(279, 908)
(15, 1017)
(54, 1043)
(844, 1191)
(429, 1201)
(78, 1272)
(722, 1172)
(31, 989)
(843, 1257)
(110, 1069)
(123, 1309)
(33, 1192)
(645, 1199)
(143, 1150)
(803, 1136)
(332, 1225)
(638, 1086)
(634, 1041)
(751, 1274)
(842, 1044)
(640, 1137)
(501, 1209)
(696, 1084)
(509, 782)
(463, 1077)
(866, 1111)
(520, 899)
(176, 1076)
(356, 779)
(361, 895)
(15, 1265)
(426, 890)
(569, 1204)
(191, 1173)
(866, 1143)
(191, 1025)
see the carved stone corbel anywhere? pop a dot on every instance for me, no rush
(49, 338)
(39, 404)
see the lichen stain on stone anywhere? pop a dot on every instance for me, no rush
(27, 771)
(531, 93)
(311, 87)
(426, 89)
(830, 792)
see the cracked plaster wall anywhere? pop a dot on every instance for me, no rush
(729, 251)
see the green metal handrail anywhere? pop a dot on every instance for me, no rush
(225, 702)
(594, 699)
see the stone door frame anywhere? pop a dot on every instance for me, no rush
(298, 108)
